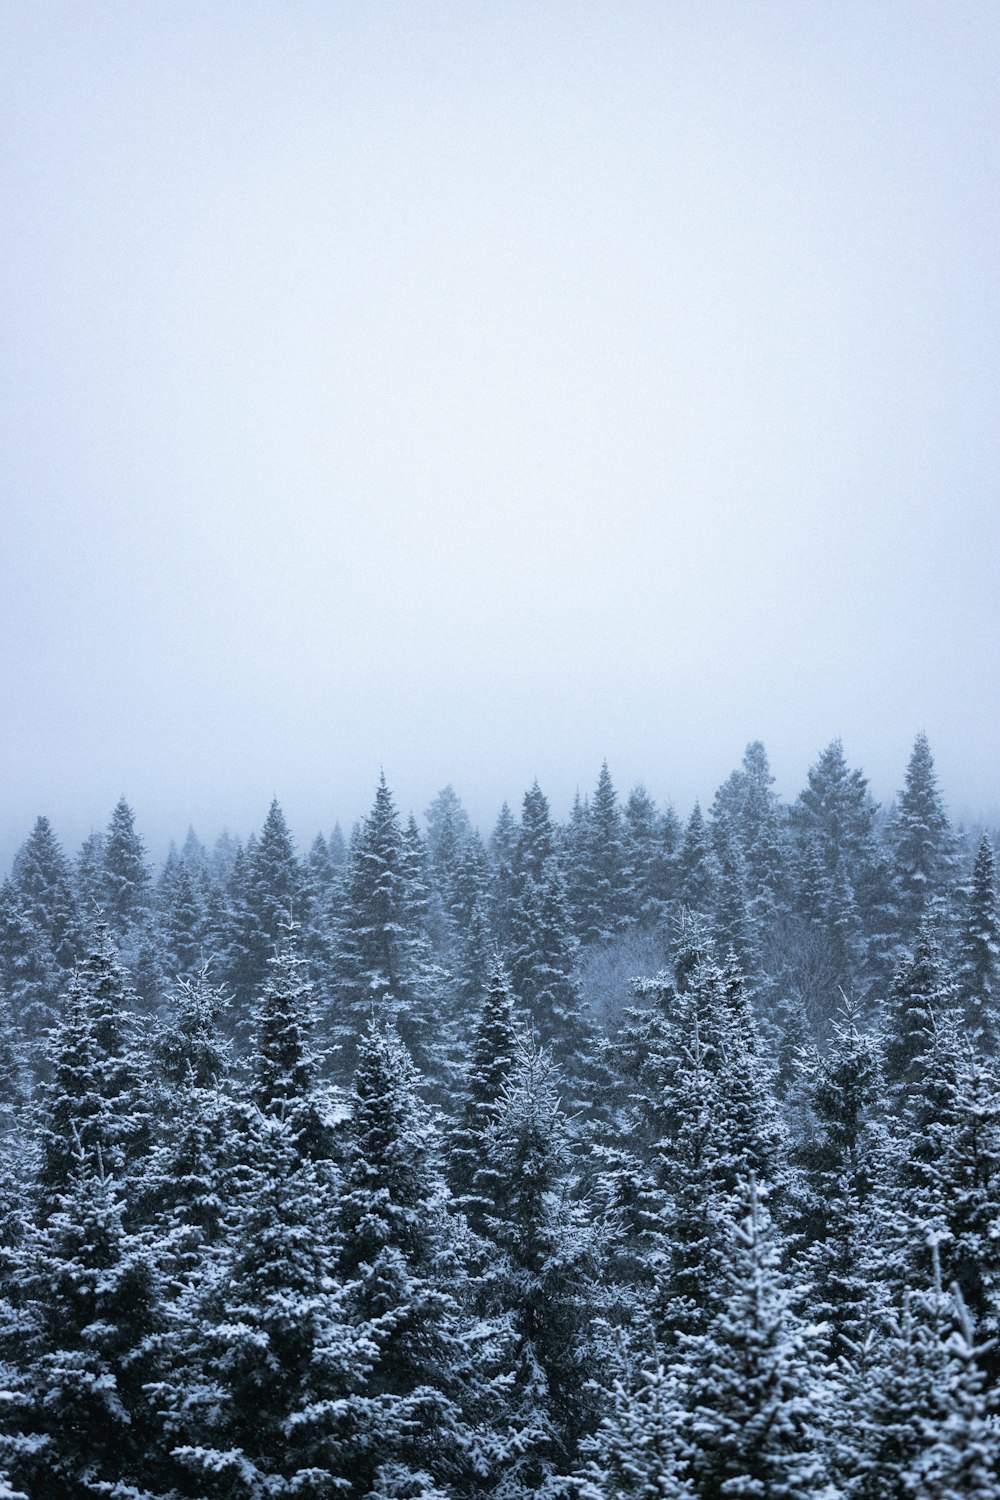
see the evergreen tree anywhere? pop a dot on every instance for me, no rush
(273, 897)
(637, 1445)
(751, 1421)
(381, 960)
(284, 1066)
(842, 1156)
(542, 965)
(920, 839)
(922, 990)
(979, 961)
(98, 1097)
(651, 841)
(947, 1181)
(30, 979)
(605, 900)
(184, 927)
(536, 847)
(503, 881)
(546, 1274)
(261, 1395)
(43, 881)
(126, 886)
(697, 866)
(320, 893)
(91, 895)
(447, 824)
(919, 1424)
(430, 1385)
(90, 1289)
(492, 1056)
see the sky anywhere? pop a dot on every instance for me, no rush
(480, 391)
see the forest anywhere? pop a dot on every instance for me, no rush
(630, 1155)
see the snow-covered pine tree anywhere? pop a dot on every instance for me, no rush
(979, 951)
(382, 962)
(98, 1095)
(86, 1425)
(637, 1449)
(126, 883)
(264, 1364)
(30, 979)
(947, 1180)
(923, 988)
(43, 880)
(492, 1056)
(651, 840)
(604, 893)
(433, 1396)
(752, 1422)
(918, 1423)
(842, 1159)
(284, 1065)
(546, 1276)
(921, 841)
(183, 927)
(697, 866)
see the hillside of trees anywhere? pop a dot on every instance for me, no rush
(629, 1156)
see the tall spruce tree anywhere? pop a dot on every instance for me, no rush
(430, 1390)
(750, 1417)
(43, 880)
(921, 840)
(126, 883)
(979, 951)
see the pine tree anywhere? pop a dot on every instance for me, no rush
(947, 1181)
(650, 843)
(536, 846)
(542, 965)
(126, 881)
(429, 1381)
(319, 899)
(697, 866)
(492, 1056)
(752, 1423)
(30, 979)
(98, 1097)
(92, 1297)
(43, 881)
(546, 1274)
(919, 1423)
(922, 989)
(199, 1158)
(605, 885)
(260, 1395)
(284, 1066)
(447, 824)
(842, 1157)
(837, 812)
(637, 1447)
(89, 878)
(273, 898)
(381, 958)
(184, 927)
(979, 961)
(745, 814)
(503, 890)
(920, 839)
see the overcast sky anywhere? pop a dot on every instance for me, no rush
(482, 390)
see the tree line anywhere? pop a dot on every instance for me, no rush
(618, 1157)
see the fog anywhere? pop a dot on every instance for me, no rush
(480, 391)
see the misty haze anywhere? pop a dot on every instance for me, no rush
(499, 918)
